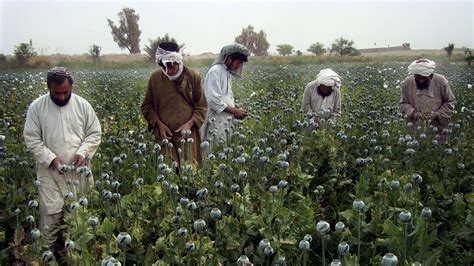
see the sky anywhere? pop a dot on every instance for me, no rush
(71, 27)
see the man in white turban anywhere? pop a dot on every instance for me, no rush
(174, 105)
(322, 96)
(426, 96)
(220, 97)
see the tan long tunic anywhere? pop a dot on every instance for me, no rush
(59, 131)
(174, 103)
(437, 98)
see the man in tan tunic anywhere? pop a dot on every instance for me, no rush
(426, 96)
(174, 105)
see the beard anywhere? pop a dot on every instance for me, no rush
(59, 102)
(422, 85)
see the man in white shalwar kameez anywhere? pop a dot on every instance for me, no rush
(218, 90)
(322, 96)
(61, 129)
(426, 96)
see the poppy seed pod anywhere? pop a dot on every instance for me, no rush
(215, 214)
(426, 212)
(74, 206)
(93, 221)
(304, 245)
(395, 184)
(389, 259)
(404, 216)
(273, 189)
(339, 227)
(30, 219)
(189, 247)
(32, 204)
(35, 233)
(69, 244)
(343, 248)
(199, 225)
(174, 188)
(124, 239)
(416, 178)
(235, 188)
(218, 184)
(322, 227)
(47, 256)
(83, 202)
(282, 184)
(263, 244)
(281, 261)
(268, 251)
(184, 201)
(243, 260)
(358, 205)
(182, 232)
(191, 206)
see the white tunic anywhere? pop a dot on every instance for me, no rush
(59, 131)
(313, 102)
(219, 95)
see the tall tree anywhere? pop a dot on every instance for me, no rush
(127, 33)
(317, 48)
(151, 48)
(24, 51)
(449, 49)
(94, 51)
(343, 47)
(256, 42)
(285, 49)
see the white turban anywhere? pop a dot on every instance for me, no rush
(169, 57)
(424, 67)
(328, 78)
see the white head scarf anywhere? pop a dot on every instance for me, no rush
(329, 78)
(424, 67)
(169, 57)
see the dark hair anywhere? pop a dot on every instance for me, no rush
(238, 56)
(169, 46)
(57, 76)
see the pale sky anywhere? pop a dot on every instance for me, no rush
(71, 27)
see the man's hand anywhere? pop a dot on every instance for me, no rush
(165, 132)
(433, 118)
(239, 113)
(416, 115)
(186, 126)
(56, 164)
(78, 161)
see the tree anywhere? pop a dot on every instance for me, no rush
(285, 49)
(469, 57)
(94, 51)
(299, 53)
(449, 49)
(343, 47)
(317, 48)
(256, 42)
(127, 34)
(23, 52)
(151, 49)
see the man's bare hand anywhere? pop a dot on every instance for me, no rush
(79, 161)
(239, 113)
(416, 115)
(186, 126)
(56, 164)
(165, 132)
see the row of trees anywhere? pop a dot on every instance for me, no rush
(340, 47)
(127, 35)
